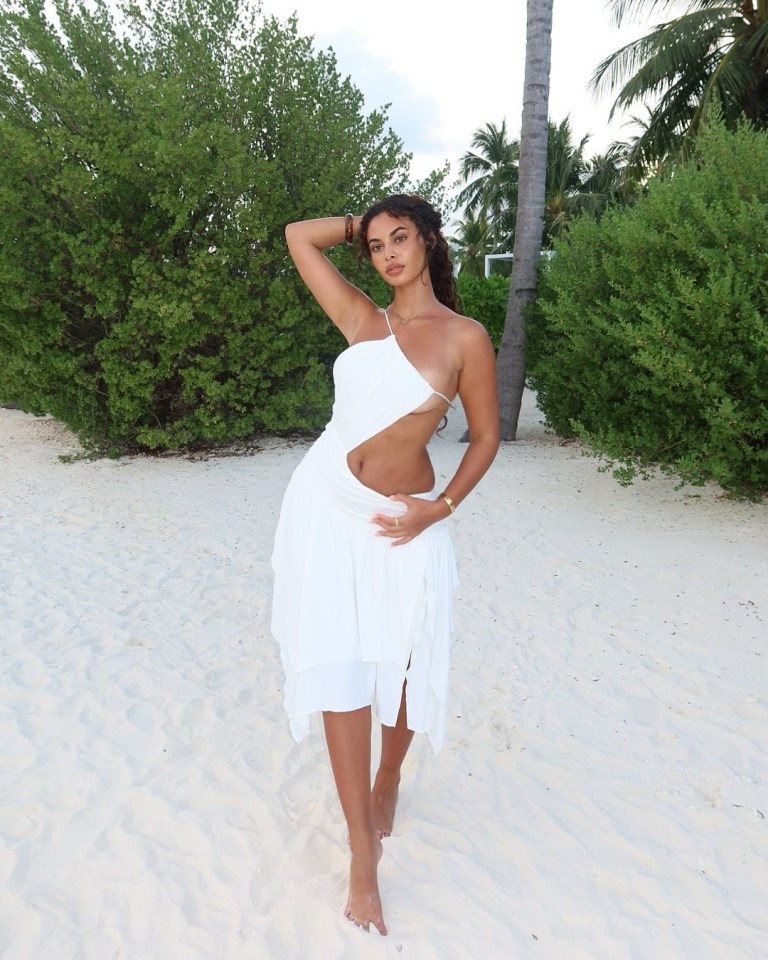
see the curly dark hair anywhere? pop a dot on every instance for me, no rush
(428, 222)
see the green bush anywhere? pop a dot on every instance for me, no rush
(151, 159)
(485, 300)
(649, 338)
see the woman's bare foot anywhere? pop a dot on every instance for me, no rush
(364, 903)
(384, 803)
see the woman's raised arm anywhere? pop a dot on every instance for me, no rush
(343, 302)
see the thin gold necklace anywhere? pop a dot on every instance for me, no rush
(404, 320)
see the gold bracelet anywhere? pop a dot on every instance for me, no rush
(349, 228)
(447, 499)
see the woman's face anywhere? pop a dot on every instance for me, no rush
(396, 248)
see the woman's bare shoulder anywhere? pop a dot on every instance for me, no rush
(471, 332)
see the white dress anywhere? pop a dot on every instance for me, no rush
(354, 616)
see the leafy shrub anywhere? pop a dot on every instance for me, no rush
(149, 167)
(485, 300)
(650, 340)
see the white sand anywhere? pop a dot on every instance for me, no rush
(602, 792)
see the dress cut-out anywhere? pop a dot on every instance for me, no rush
(354, 616)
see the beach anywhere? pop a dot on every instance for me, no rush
(602, 793)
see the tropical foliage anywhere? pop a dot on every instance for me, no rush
(574, 185)
(489, 172)
(485, 300)
(566, 170)
(152, 155)
(651, 335)
(471, 242)
(714, 53)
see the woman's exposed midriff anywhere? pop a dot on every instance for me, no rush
(396, 460)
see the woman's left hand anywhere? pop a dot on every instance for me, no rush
(419, 515)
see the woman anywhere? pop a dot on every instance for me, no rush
(364, 568)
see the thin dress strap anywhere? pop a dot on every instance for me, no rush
(436, 392)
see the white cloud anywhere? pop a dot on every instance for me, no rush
(446, 74)
(411, 113)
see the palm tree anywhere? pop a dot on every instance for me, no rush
(489, 170)
(565, 171)
(714, 54)
(608, 178)
(471, 244)
(576, 186)
(530, 212)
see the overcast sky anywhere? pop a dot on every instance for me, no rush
(446, 74)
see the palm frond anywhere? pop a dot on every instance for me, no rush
(668, 50)
(627, 10)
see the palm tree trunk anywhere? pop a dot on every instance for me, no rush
(529, 221)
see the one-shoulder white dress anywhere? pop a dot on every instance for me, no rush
(355, 617)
